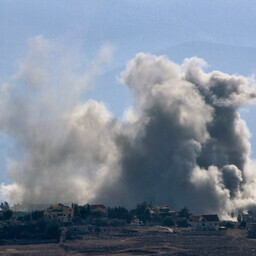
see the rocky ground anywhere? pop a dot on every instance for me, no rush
(143, 240)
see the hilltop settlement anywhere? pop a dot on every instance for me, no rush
(61, 222)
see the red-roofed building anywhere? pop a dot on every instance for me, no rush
(204, 222)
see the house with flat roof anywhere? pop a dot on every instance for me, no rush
(59, 212)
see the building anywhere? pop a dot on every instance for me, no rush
(162, 211)
(97, 207)
(159, 212)
(59, 212)
(204, 222)
(246, 217)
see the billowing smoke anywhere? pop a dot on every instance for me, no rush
(181, 143)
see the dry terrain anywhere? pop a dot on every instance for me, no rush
(144, 241)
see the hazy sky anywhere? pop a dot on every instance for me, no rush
(221, 32)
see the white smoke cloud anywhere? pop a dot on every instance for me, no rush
(51, 127)
(182, 142)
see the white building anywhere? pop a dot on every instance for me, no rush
(204, 222)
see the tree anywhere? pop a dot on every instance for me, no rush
(182, 223)
(147, 214)
(52, 230)
(84, 211)
(75, 210)
(7, 214)
(27, 217)
(119, 213)
(98, 214)
(4, 206)
(141, 212)
(184, 213)
(36, 215)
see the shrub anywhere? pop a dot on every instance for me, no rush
(97, 230)
(7, 214)
(229, 225)
(52, 231)
(36, 215)
(182, 223)
(98, 214)
(77, 220)
(168, 221)
(27, 217)
(119, 213)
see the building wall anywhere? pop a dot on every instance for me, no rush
(204, 225)
(63, 214)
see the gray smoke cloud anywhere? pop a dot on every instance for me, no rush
(182, 142)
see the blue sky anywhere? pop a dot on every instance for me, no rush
(221, 32)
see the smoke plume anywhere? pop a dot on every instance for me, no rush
(182, 142)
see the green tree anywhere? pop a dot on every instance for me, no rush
(141, 212)
(37, 215)
(52, 230)
(182, 223)
(140, 209)
(4, 206)
(147, 214)
(7, 214)
(84, 211)
(98, 214)
(184, 213)
(27, 217)
(75, 210)
(119, 213)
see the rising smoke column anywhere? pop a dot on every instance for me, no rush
(182, 141)
(62, 144)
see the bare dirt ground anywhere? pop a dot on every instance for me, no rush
(144, 241)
